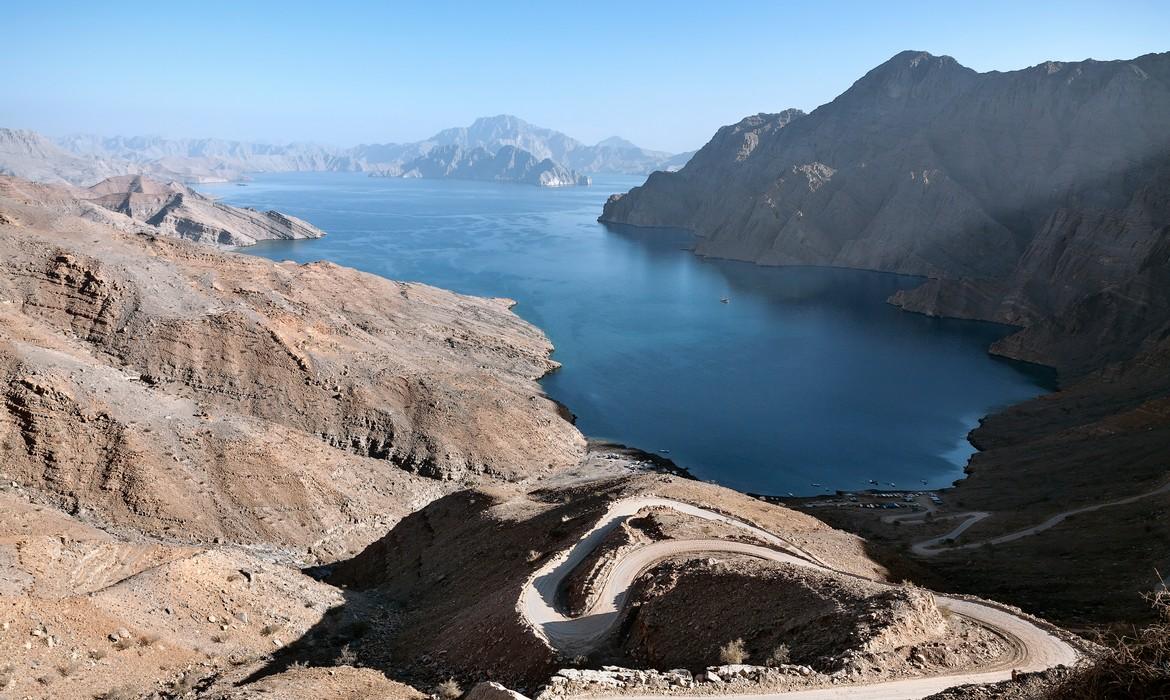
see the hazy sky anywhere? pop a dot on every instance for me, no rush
(664, 75)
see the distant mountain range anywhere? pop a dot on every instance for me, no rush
(85, 159)
(508, 164)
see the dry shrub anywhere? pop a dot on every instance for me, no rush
(734, 652)
(779, 656)
(449, 690)
(347, 657)
(1136, 663)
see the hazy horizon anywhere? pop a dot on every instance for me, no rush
(362, 74)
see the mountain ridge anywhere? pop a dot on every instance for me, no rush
(925, 167)
(219, 160)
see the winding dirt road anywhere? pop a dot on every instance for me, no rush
(1038, 648)
(938, 545)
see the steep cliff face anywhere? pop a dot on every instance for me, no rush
(1026, 193)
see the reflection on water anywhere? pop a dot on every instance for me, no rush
(804, 375)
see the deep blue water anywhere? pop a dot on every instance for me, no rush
(805, 376)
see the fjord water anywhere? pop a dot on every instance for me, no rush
(805, 376)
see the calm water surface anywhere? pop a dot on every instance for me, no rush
(805, 377)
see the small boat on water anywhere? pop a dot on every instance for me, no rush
(724, 300)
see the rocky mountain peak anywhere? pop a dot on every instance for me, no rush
(909, 74)
(616, 142)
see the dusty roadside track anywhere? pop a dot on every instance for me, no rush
(1038, 648)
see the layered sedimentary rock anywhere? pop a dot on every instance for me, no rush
(176, 210)
(147, 379)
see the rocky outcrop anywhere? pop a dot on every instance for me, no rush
(145, 379)
(174, 209)
(1026, 194)
(509, 164)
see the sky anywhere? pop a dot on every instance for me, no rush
(665, 75)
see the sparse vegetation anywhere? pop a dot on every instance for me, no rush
(449, 690)
(734, 652)
(124, 643)
(270, 629)
(779, 656)
(347, 657)
(68, 669)
(1135, 665)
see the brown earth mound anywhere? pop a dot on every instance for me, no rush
(684, 612)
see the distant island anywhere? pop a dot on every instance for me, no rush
(508, 164)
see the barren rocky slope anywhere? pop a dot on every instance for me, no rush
(784, 614)
(181, 428)
(145, 378)
(176, 210)
(30, 155)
